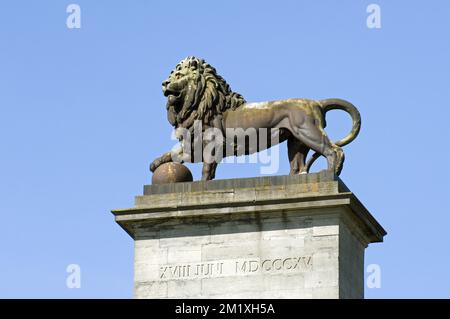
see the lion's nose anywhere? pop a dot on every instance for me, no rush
(164, 84)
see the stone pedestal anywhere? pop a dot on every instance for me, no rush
(267, 237)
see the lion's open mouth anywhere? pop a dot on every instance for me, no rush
(168, 92)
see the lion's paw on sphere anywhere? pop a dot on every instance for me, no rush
(171, 173)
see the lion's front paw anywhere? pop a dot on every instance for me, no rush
(154, 165)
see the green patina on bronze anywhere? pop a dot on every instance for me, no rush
(195, 92)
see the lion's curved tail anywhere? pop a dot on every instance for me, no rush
(338, 104)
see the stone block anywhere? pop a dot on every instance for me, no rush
(268, 237)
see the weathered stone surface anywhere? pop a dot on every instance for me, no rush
(278, 237)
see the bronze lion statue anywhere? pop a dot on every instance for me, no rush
(196, 93)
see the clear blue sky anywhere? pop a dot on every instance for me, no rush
(82, 116)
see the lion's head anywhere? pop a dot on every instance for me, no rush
(195, 91)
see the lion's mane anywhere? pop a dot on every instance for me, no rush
(215, 95)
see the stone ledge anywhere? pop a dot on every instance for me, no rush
(243, 183)
(309, 194)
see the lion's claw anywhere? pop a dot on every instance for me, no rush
(154, 166)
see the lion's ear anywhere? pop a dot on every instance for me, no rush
(193, 64)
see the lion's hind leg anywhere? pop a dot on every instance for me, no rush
(314, 137)
(297, 152)
(340, 158)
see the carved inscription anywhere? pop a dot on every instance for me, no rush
(274, 265)
(235, 267)
(194, 270)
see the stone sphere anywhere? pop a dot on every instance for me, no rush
(171, 172)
